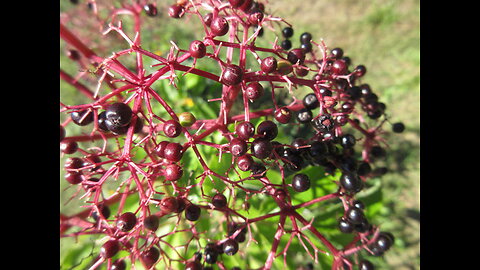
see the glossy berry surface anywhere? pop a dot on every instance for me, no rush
(254, 91)
(126, 221)
(82, 118)
(269, 64)
(197, 49)
(244, 162)
(150, 256)
(238, 147)
(267, 130)
(173, 172)
(118, 114)
(173, 152)
(151, 222)
(283, 115)
(301, 182)
(261, 148)
(245, 130)
(230, 247)
(172, 128)
(232, 75)
(355, 215)
(219, 26)
(310, 101)
(345, 226)
(109, 249)
(192, 212)
(366, 265)
(351, 182)
(219, 200)
(169, 205)
(287, 32)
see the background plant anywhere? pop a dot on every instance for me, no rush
(208, 111)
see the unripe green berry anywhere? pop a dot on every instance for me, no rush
(284, 67)
(186, 119)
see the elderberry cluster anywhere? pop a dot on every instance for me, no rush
(337, 128)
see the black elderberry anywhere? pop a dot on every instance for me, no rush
(323, 123)
(301, 182)
(350, 182)
(304, 116)
(118, 114)
(305, 38)
(192, 212)
(82, 118)
(230, 247)
(398, 127)
(286, 44)
(310, 101)
(268, 130)
(287, 32)
(345, 226)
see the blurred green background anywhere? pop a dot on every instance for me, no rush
(383, 35)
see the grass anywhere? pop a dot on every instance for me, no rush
(384, 36)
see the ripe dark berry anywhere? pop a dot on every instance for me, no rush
(398, 127)
(230, 247)
(377, 152)
(363, 227)
(261, 148)
(151, 223)
(267, 129)
(296, 56)
(245, 130)
(74, 178)
(181, 205)
(358, 204)
(345, 226)
(287, 32)
(62, 133)
(118, 114)
(384, 242)
(347, 141)
(173, 172)
(323, 123)
(173, 152)
(208, 18)
(119, 265)
(236, 3)
(82, 118)
(219, 26)
(219, 200)
(283, 115)
(172, 128)
(232, 75)
(286, 44)
(363, 169)
(337, 53)
(69, 147)
(150, 10)
(269, 64)
(310, 101)
(238, 147)
(300, 182)
(192, 212)
(102, 125)
(325, 91)
(304, 116)
(109, 249)
(193, 265)
(150, 257)
(169, 205)
(104, 211)
(360, 71)
(159, 150)
(306, 47)
(175, 11)
(244, 162)
(350, 182)
(254, 90)
(354, 92)
(126, 221)
(355, 215)
(366, 265)
(197, 49)
(339, 67)
(258, 170)
(73, 54)
(305, 38)
(210, 256)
